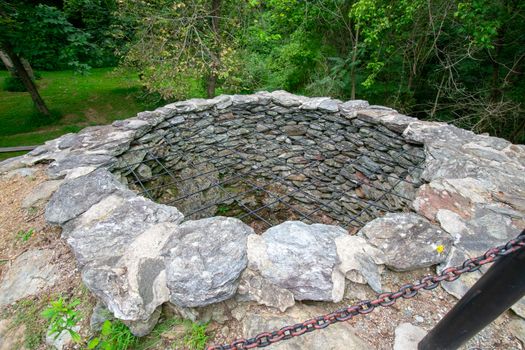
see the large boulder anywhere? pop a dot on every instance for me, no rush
(118, 244)
(204, 260)
(76, 196)
(299, 258)
(408, 241)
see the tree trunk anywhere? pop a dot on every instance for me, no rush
(26, 79)
(28, 68)
(495, 91)
(11, 68)
(215, 52)
(354, 60)
(8, 64)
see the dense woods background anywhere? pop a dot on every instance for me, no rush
(449, 60)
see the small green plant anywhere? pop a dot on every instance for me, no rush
(197, 338)
(223, 209)
(63, 317)
(24, 235)
(32, 210)
(113, 336)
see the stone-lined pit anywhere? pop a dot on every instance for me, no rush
(137, 255)
(267, 163)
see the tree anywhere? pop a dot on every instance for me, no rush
(10, 29)
(179, 46)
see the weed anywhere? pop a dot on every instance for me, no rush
(24, 235)
(32, 211)
(223, 209)
(26, 313)
(63, 317)
(175, 333)
(197, 338)
(113, 336)
(155, 337)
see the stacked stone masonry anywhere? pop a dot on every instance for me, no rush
(464, 194)
(323, 153)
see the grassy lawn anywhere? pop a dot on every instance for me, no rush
(77, 101)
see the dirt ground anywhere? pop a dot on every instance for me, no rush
(377, 328)
(425, 310)
(22, 322)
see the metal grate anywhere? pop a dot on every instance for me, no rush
(217, 178)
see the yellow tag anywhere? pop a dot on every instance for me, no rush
(440, 248)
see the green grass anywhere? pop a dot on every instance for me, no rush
(26, 313)
(76, 101)
(184, 334)
(11, 154)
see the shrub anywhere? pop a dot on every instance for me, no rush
(13, 84)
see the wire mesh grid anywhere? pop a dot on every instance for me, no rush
(220, 177)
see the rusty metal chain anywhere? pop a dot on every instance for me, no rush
(406, 291)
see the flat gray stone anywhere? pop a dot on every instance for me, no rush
(460, 287)
(517, 328)
(519, 308)
(62, 167)
(490, 225)
(408, 241)
(300, 258)
(329, 105)
(23, 172)
(407, 336)
(360, 261)
(352, 106)
(41, 193)
(99, 315)
(253, 287)
(144, 327)
(77, 195)
(11, 164)
(30, 273)
(106, 139)
(286, 99)
(204, 260)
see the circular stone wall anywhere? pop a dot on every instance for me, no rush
(319, 169)
(270, 160)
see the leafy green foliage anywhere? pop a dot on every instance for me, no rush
(176, 47)
(63, 317)
(24, 235)
(113, 336)
(43, 35)
(13, 84)
(459, 61)
(97, 19)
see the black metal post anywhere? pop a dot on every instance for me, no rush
(495, 292)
